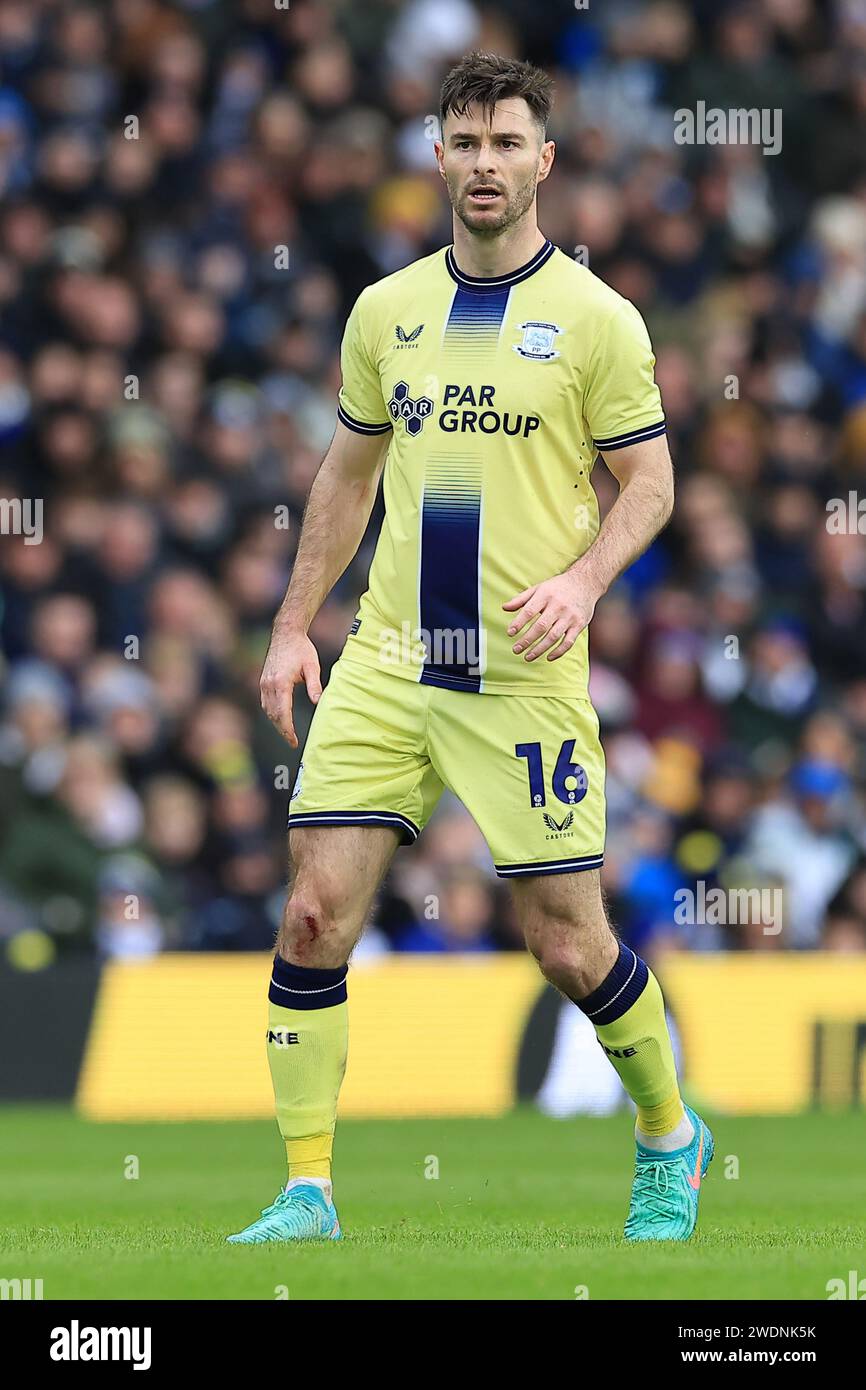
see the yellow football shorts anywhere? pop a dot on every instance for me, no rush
(529, 769)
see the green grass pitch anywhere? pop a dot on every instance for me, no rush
(523, 1208)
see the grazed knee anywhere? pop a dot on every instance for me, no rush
(309, 932)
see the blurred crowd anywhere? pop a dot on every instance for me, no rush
(192, 194)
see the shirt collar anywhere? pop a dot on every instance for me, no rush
(487, 284)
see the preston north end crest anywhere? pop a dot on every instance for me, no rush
(538, 341)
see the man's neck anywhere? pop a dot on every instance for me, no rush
(493, 256)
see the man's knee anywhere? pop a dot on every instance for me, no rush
(563, 957)
(310, 932)
(574, 952)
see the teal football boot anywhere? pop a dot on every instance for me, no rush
(666, 1187)
(302, 1211)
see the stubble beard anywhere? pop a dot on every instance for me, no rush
(516, 206)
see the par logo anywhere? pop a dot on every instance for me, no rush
(412, 412)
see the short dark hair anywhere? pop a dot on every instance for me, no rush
(485, 78)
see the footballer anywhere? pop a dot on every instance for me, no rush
(481, 383)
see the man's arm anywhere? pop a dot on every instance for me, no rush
(555, 612)
(335, 519)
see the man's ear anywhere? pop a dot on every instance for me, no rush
(543, 173)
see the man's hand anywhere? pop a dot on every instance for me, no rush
(291, 658)
(556, 611)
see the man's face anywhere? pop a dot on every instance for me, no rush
(492, 164)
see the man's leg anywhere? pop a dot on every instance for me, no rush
(531, 772)
(567, 930)
(336, 871)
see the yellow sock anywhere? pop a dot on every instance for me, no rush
(628, 1013)
(661, 1119)
(307, 1049)
(310, 1157)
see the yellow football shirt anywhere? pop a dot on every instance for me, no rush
(498, 395)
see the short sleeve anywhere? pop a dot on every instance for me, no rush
(361, 406)
(622, 403)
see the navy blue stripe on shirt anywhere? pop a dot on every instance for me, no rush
(359, 426)
(621, 441)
